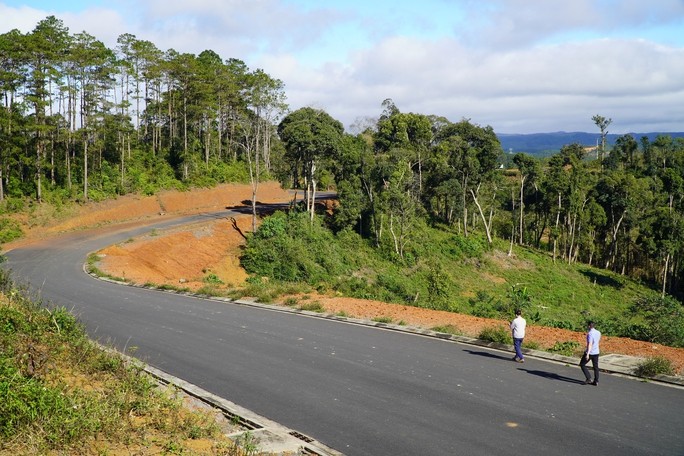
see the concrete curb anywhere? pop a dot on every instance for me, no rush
(273, 438)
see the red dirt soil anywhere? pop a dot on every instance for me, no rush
(183, 257)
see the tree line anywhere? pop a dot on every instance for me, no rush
(620, 209)
(89, 122)
(81, 121)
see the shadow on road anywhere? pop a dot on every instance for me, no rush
(488, 355)
(552, 376)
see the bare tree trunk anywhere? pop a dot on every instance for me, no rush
(665, 270)
(555, 238)
(510, 248)
(465, 209)
(522, 207)
(613, 254)
(39, 170)
(312, 196)
(484, 220)
(85, 168)
(122, 151)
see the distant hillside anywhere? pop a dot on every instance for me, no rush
(544, 144)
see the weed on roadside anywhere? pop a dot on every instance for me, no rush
(496, 334)
(651, 367)
(566, 348)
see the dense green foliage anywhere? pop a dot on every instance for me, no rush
(448, 271)
(79, 120)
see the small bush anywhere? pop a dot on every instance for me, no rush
(212, 279)
(496, 334)
(291, 302)
(532, 345)
(448, 329)
(9, 230)
(567, 348)
(313, 306)
(560, 324)
(651, 367)
(664, 318)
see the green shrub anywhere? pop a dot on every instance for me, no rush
(532, 345)
(64, 323)
(313, 306)
(437, 284)
(11, 205)
(566, 348)
(9, 230)
(291, 302)
(560, 324)
(12, 321)
(497, 334)
(651, 367)
(212, 279)
(448, 329)
(460, 247)
(664, 320)
(483, 305)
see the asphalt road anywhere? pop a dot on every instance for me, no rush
(360, 390)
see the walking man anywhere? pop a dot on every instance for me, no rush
(518, 331)
(591, 353)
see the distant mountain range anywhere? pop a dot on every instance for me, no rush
(545, 144)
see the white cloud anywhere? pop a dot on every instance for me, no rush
(518, 65)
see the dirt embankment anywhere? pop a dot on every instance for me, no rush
(187, 256)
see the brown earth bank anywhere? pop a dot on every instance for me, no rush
(185, 257)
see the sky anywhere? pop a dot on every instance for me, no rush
(519, 66)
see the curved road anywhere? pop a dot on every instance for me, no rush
(358, 389)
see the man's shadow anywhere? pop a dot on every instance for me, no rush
(552, 376)
(543, 374)
(488, 355)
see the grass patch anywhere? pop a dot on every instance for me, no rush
(62, 394)
(532, 345)
(291, 302)
(651, 367)
(210, 290)
(313, 306)
(382, 319)
(496, 334)
(448, 329)
(566, 348)
(212, 279)
(92, 268)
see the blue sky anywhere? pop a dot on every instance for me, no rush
(521, 66)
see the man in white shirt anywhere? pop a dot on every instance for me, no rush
(518, 331)
(591, 353)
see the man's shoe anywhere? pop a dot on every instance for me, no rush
(587, 382)
(515, 358)
(594, 383)
(520, 360)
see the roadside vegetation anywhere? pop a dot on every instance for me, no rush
(447, 271)
(63, 394)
